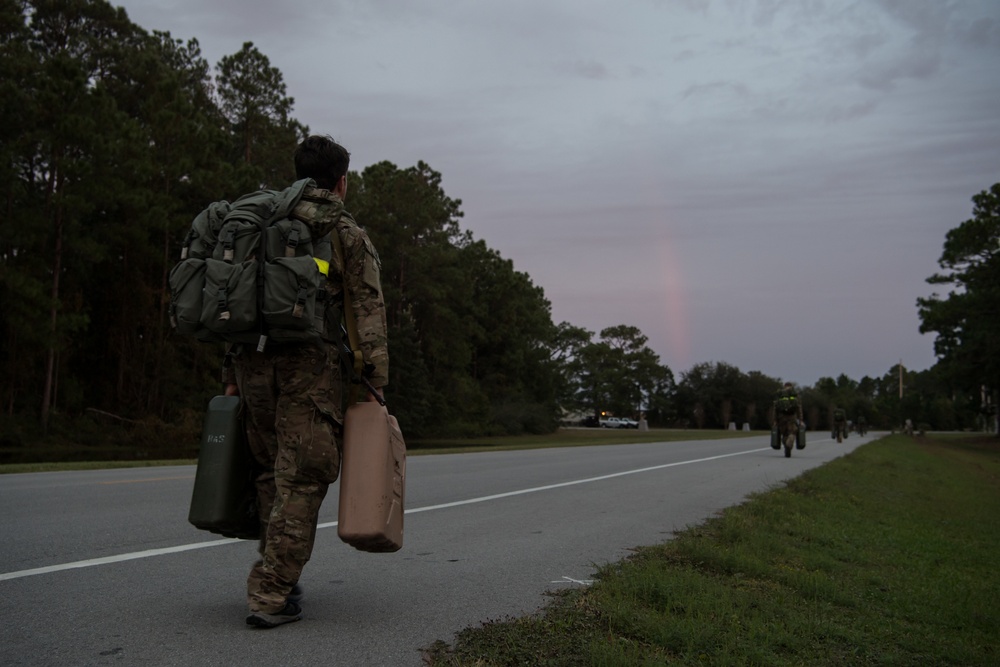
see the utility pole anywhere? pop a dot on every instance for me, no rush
(988, 407)
(902, 426)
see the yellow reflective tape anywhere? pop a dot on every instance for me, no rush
(324, 266)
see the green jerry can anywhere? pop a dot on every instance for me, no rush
(224, 499)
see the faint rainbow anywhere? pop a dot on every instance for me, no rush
(673, 315)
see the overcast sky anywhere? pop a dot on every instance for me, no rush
(766, 183)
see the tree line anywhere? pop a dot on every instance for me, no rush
(113, 138)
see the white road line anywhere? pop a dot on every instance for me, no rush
(522, 492)
(571, 580)
(116, 559)
(482, 499)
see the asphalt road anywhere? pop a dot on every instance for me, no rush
(102, 568)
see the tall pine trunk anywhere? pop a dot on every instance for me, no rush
(50, 362)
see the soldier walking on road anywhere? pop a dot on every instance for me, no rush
(839, 424)
(787, 415)
(293, 392)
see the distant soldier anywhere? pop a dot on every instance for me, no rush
(862, 425)
(787, 415)
(839, 425)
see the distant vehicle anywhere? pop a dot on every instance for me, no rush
(619, 422)
(591, 421)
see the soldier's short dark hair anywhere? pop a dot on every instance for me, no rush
(322, 159)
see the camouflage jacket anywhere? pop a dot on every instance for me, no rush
(324, 212)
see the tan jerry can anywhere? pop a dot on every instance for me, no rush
(372, 480)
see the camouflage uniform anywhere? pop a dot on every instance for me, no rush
(294, 399)
(839, 423)
(787, 408)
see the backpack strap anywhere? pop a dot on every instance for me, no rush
(352, 324)
(293, 239)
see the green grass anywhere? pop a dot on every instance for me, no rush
(567, 437)
(88, 465)
(561, 438)
(887, 556)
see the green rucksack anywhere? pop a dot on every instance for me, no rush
(786, 405)
(222, 291)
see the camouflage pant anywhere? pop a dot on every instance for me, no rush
(787, 425)
(293, 400)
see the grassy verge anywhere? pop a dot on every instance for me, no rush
(89, 465)
(567, 437)
(561, 438)
(883, 557)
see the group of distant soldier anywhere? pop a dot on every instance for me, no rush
(788, 408)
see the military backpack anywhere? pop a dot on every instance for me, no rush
(249, 272)
(786, 405)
